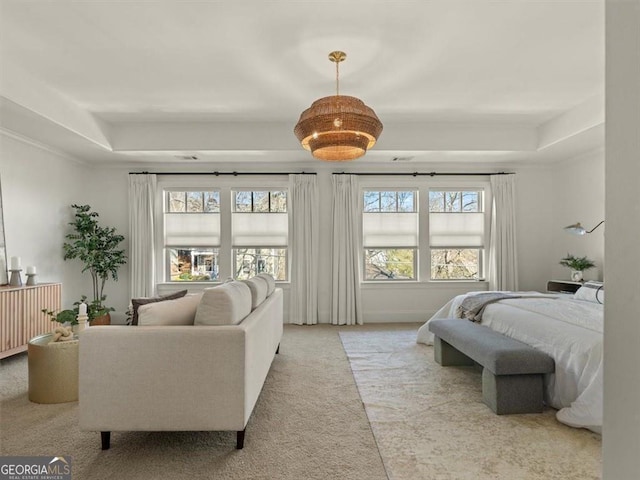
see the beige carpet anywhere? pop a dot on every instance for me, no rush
(430, 422)
(309, 423)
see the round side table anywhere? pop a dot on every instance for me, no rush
(53, 370)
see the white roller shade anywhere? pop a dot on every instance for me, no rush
(260, 229)
(192, 229)
(390, 229)
(465, 230)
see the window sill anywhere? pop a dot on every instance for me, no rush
(176, 286)
(384, 284)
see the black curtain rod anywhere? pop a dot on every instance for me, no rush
(380, 174)
(235, 174)
(424, 174)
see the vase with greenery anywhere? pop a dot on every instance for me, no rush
(98, 248)
(577, 265)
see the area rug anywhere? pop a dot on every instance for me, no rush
(309, 423)
(430, 422)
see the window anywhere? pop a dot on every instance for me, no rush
(192, 235)
(456, 234)
(259, 233)
(390, 234)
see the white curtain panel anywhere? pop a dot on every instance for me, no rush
(346, 306)
(142, 193)
(503, 262)
(303, 228)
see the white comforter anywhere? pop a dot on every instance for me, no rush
(570, 331)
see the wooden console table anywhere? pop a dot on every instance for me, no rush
(21, 316)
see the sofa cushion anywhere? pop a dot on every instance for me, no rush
(136, 303)
(181, 311)
(258, 287)
(226, 304)
(271, 282)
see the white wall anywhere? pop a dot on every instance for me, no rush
(533, 230)
(578, 196)
(109, 197)
(621, 429)
(38, 187)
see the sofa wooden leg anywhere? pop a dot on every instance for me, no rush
(106, 440)
(240, 439)
(278, 349)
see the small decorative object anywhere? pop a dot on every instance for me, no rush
(62, 334)
(16, 278)
(82, 318)
(31, 276)
(577, 265)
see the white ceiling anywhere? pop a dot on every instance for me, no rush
(139, 82)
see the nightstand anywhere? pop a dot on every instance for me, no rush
(563, 286)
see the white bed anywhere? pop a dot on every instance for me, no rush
(567, 329)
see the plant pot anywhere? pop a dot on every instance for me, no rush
(576, 275)
(103, 320)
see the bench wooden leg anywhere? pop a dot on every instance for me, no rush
(448, 356)
(508, 394)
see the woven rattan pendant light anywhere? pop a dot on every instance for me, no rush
(339, 127)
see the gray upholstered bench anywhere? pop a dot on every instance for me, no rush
(512, 377)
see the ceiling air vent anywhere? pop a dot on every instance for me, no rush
(401, 159)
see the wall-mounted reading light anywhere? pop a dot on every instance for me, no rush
(577, 229)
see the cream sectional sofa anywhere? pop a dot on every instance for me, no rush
(201, 376)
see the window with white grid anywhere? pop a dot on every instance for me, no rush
(390, 234)
(191, 235)
(456, 233)
(259, 233)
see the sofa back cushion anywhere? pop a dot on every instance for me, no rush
(271, 282)
(226, 304)
(180, 311)
(136, 303)
(258, 287)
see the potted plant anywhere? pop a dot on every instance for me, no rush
(69, 317)
(98, 248)
(63, 316)
(577, 265)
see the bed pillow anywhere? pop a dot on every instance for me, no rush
(136, 303)
(591, 291)
(258, 287)
(271, 282)
(181, 311)
(226, 304)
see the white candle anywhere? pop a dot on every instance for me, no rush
(15, 263)
(31, 270)
(82, 309)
